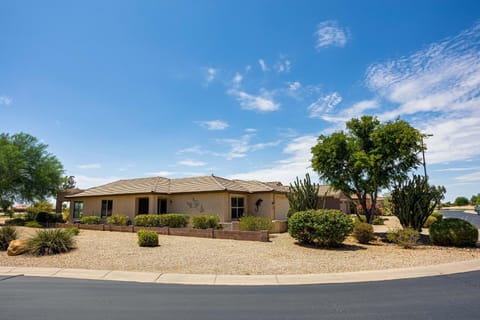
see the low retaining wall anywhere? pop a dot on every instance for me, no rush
(185, 232)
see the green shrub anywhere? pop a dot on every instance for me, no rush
(90, 220)
(363, 218)
(322, 227)
(73, 230)
(378, 221)
(147, 220)
(174, 220)
(15, 222)
(453, 232)
(253, 223)
(147, 238)
(53, 241)
(406, 238)
(7, 234)
(437, 215)
(363, 232)
(118, 219)
(430, 220)
(205, 221)
(33, 224)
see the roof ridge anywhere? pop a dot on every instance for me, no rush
(217, 182)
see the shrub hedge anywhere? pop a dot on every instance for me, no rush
(7, 234)
(254, 223)
(90, 220)
(205, 221)
(147, 238)
(453, 232)
(322, 227)
(171, 220)
(118, 219)
(363, 232)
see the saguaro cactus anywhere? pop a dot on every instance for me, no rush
(303, 195)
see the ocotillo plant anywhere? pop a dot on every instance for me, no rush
(414, 200)
(303, 195)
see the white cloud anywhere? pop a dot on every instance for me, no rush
(90, 166)
(192, 163)
(438, 86)
(459, 169)
(283, 65)
(471, 177)
(239, 148)
(85, 182)
(294, 86)
(296, 164)
(328, 33)
(194, 149)
(211, 73)
(6, 101)
(161, 173)
(237, 79)
(324, 104)
(263, 65)
(263, 102)
(213, 125)
(355, 111)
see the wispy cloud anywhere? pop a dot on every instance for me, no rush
(161, 173)
(282, 66)
(192, 163)
(6, 101)
(90, 166)
(324, 104)
(355, 111)
(294, 86)
(459, 169)
(239, 148)
(194, 149)
(262, 102)
(438, 86)
(471, 177)
(329, 33)
(237, 79)
(85, 182)
(211, 73)
(213, 125)
(263, 65)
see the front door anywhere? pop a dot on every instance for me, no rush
(162, 206)
(143, 206)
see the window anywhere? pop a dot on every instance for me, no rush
(143, 205)
(107, 206)
(162, 206)
(77, 209)
(238, 207)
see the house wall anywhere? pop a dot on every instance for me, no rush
(265, 209)
(281, 206)
(216, 203)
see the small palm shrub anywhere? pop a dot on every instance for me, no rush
(253, 223)
(453, 232)
(73, 230)
(322, 227)
(430, 220)
(90, 220)
(363, 232)
(378, 221)
(33, 224)
(7, 234)
(406, 238)
(53, 241)
(118, 219)
(205, 221)
(174, 220)
(147, 238)
(147, 220)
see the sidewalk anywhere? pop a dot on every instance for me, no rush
(253, 280)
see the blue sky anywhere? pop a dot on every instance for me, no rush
(240, 89)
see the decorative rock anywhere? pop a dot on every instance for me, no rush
(17, 247)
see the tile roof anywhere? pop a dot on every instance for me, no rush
(183, 185)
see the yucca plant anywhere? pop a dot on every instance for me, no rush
(48, 242)
(7, 234)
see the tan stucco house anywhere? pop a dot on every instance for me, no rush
(229, 199)
(332, 199)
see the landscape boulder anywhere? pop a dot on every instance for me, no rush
(17, 247)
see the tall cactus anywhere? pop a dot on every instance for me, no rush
(415, 200)
(303, 195)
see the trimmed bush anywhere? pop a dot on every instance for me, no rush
(15, 222)
(147, 238)
(322, 227)
(53, 241)
(73, 230)
(253, 223)
(453, 232)
(437, 215)
(33, 224)
(147, 220)
(174, 220)
(90, 220)
(205, 221)
(378, 221)
(7, 234)
(363, 232)
(430, 220)
(118, 219)
(406, 238)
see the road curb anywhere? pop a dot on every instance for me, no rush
(247, 280)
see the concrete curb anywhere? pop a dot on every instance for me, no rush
(247, 280)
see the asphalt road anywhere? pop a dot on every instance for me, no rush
(446, 297)
(472, 218)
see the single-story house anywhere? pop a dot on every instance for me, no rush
(332, 199)
(229, 199)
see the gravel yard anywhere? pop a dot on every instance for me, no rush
(119, 251)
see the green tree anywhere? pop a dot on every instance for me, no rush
(475, 199)
(368, 157)
(303, 195)
(461, 201)
(27, 171)
(68, 182)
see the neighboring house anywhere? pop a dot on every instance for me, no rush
(332, 199)
(229, 199)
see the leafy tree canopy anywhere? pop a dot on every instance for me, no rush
(27, 171)
(461, 201)
(367, 157)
